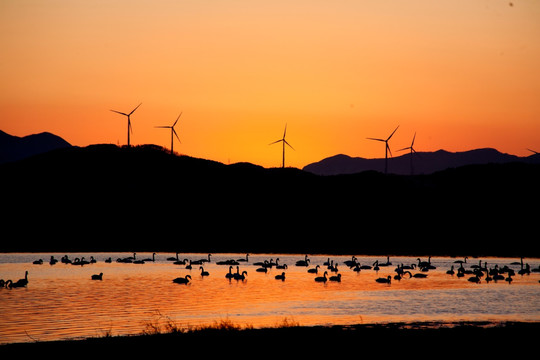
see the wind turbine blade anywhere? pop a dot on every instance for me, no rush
(132, 111)
(404, 148)
(392, 134)
(275, 142)
(376, 139)
(285, 132)
(163, 127)
(178, 118)
(535, 152)
(174, 132)
(129, 125)
(118, 112)
(288, 144)
(388, 147)
(413, 139)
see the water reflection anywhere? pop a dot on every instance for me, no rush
(61, 300)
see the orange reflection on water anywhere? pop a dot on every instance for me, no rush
(61, 301)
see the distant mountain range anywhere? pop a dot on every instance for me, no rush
(13, 148)
(422, 162)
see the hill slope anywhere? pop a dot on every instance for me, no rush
(422, 162)
(103, 197)
(13, 148)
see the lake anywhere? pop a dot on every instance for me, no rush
(62, 302)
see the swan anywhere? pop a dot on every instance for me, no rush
(322, 278)
(172, 258)
(280, 277)
(262, 269)
(229, 275)
(475, 279)
(314, 270)
(180, 262)
(464, 261)
(200, 261)
(420, 276)
(244, 260)
(153, 259)
(38, 262)
(386, 280)
(281, 267)
(53, 260)
(204, 273)
(451, 271)
(22, 282)
(182, 280)
(304, 262)
(10, 284)
(334, 268)
(97, 277)
(241, 276)
(376, 265)
(387, 263)
(509, 279)
(336, 278)
(109, 260)
(352, 262)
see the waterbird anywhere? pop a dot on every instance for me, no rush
(153, 259)
(204, 273)
(182, 280)
(322, 278)
(22, 282)
(280, 277)
(244, 260)
(241, 276)
(38, 262)
(173, 258)
(229, 275)
(386, 280)
(52, 261)
(336, 278)
(315, 270)
(304, 262)
(97, 277)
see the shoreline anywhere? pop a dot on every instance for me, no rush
(389, 337)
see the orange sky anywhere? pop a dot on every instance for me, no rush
(463, 74)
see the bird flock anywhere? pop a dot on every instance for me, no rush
(329, 271)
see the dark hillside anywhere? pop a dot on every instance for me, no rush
(104, 197)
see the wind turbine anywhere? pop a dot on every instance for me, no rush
(534, 152)
(173, 132)
(129, 120)
(412, 151)
(387, 149)
(284, 142)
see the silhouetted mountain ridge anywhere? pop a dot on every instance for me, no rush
(13, 148)
(105, 198)
(422, 162)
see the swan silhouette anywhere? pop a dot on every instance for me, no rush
(229, 275)
(22, 282)
(204, 273)
(241, 276)
(322, 278)
(336, 278)
(304, 262)
(97, 277)
(386, 280)
(182, 280)
(314, 270)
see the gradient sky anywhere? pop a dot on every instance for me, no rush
(463, 74)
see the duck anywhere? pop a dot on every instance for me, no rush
(322, 278)
(204, 273)
(97, 277)
(386, 280)
(336, 278)
(182, 280)
(280, 277)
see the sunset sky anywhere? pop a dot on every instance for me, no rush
(462, 74)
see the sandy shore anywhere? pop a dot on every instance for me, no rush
(383, 339)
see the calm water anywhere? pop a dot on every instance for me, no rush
(61, 301)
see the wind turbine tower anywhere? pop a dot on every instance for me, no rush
(412, 151)
(173, 132)
(129, 129)
(387, 149)
(282, 140)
